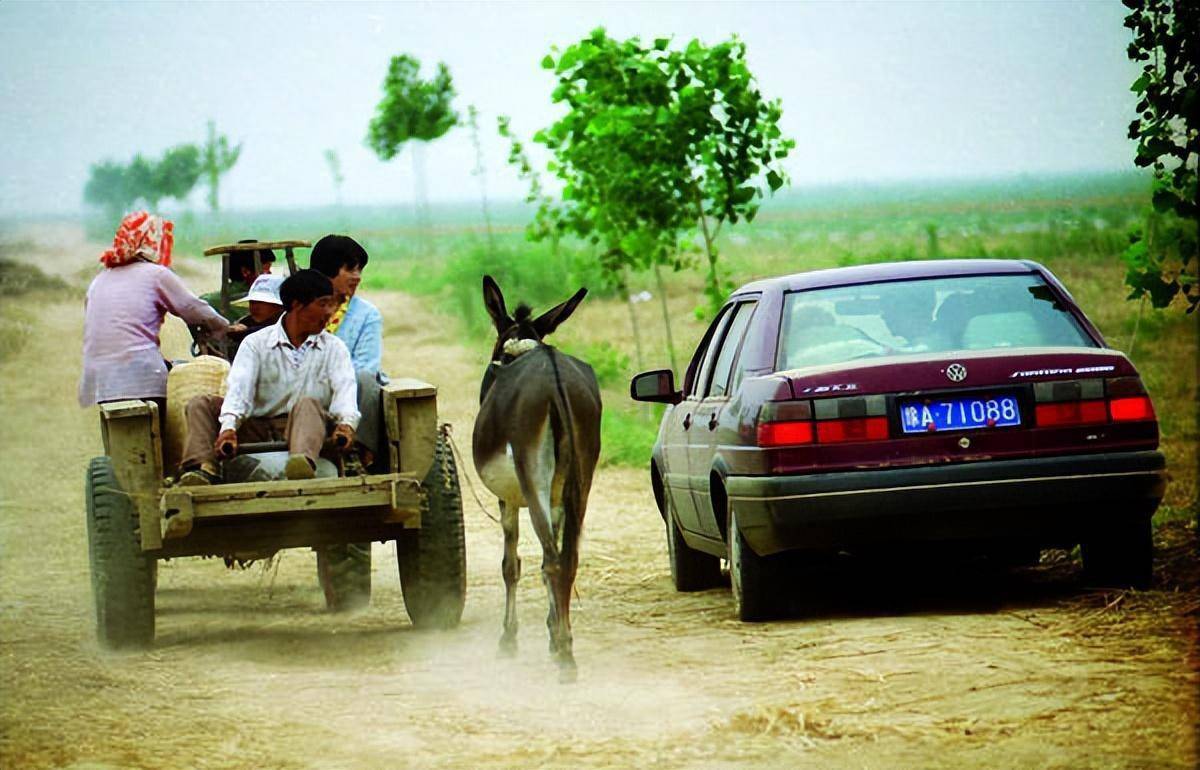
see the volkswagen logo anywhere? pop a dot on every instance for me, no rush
(956, 372)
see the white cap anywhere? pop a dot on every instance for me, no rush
(264, 289)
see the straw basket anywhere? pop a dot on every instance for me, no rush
(200, 376)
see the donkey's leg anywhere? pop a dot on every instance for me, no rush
(566, 583)
(510, 521)
(534, 466)
(556, 505)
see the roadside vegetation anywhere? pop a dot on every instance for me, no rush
(20, 279)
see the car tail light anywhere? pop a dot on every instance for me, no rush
(824, 421)
(785, 423)
(861, 429)
(785, 433)
(1072, 413)
(1092, 402)
(1130, 409)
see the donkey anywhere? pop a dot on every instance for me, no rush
(536, 442)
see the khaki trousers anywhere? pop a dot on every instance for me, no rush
(305, 429)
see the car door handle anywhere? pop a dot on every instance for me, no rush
(687, 421)
(712, 421)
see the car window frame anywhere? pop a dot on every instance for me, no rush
(701, 360)
(736, 313)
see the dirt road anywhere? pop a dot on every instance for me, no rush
(1024, 669)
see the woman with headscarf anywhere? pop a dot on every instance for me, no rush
(124, 311)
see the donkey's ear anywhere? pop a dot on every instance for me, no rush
(550, 320)
(493, 299)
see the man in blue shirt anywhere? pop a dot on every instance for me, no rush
(359, 324)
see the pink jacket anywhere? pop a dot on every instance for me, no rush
(124, 311)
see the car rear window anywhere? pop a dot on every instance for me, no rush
(933, 315)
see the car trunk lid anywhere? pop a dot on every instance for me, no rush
(893, 412)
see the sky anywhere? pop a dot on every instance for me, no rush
(872, 92)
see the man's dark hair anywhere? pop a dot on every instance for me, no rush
(304, 286)
(244, 260)
(333, 252)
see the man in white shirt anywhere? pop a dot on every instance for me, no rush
(292, 380)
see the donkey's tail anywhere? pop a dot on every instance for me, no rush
(572, 514)
(568, 454)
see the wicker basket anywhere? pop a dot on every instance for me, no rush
(200, 376)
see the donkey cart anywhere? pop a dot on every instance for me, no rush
(136, 515)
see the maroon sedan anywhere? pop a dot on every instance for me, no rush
(966, 402)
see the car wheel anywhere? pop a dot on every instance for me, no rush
(755, 589)
(691, 570)
(1120, 555)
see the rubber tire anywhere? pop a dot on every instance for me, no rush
(754, 578)
(691, 570)
(432, 560)
(123, 577)
(344, 572)
(1121, 555)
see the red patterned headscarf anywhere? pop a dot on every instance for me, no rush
(142, 235)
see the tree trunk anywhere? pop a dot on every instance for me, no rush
(480, 172)
(662, 303)
(714, 282)
(418, 165)
(623, 288)
(214, 181)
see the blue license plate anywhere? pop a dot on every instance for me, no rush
(938, 414)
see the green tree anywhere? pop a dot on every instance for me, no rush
(139, 174)
(175, 174)
(1162, 257)
(412, 109)
(116, 187)
(660, 145)
(552, 220)
(217, 158)
(108, 187)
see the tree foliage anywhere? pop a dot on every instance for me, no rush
(218, 157)
(115, 187)
(411, 108)
(1162, 258)
(176, 173)
(659, 144)
(109, 188)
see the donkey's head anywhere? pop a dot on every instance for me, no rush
(513, 331)
(522, 326)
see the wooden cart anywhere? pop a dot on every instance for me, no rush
(136, 515)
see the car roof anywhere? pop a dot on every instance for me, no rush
(889, 271)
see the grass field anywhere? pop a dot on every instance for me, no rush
(1077, 227)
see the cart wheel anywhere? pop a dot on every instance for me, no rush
(345, 575)
(123, 577)
(432, 560)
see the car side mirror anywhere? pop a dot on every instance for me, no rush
(657, 386)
